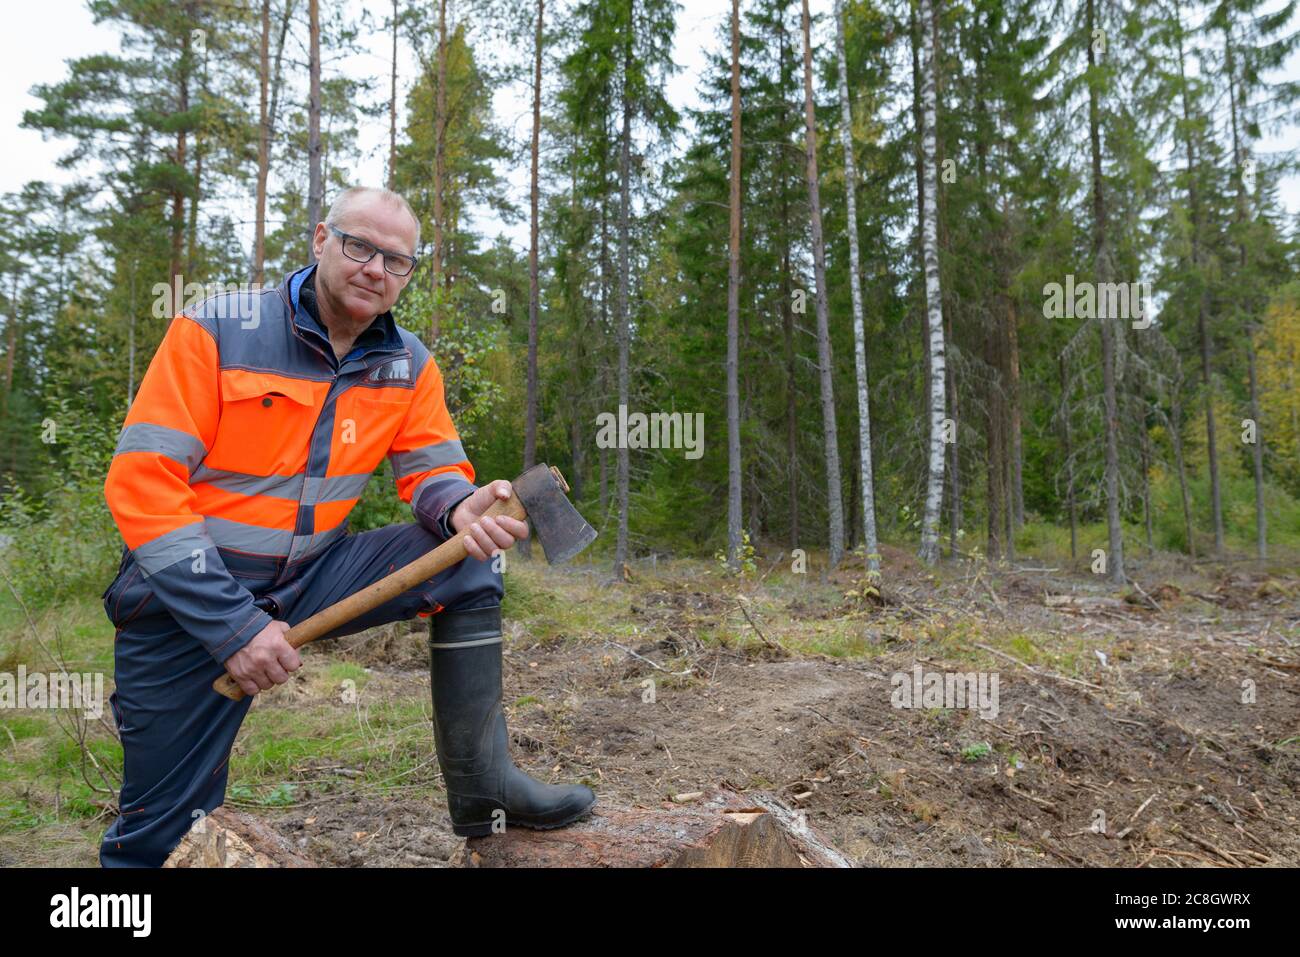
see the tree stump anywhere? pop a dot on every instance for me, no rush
(723, 829)
(226, 838)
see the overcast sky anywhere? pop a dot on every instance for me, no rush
(27, 62)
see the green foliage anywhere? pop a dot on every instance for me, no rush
(1238, 490)
(281, 795)
(465, 344)
(64, 543)
(973, 752)
(745, 555)
(379, 504)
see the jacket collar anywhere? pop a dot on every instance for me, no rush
(389, 339)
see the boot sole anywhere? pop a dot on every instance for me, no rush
(483, 830)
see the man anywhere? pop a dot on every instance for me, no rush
(251, 438)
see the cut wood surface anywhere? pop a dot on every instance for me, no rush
(1083, 604)
(722, 829)
(226, 838)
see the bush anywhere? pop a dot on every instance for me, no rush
(65, 543)
(379, 504)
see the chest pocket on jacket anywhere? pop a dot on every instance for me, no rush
(266, 423)
(366, 420)
(382, 398)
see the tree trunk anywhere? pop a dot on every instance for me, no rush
(918, 122)
(1004, 372)
(954, 464)
(1115, 559)
(606, 282)
(439, 175)
(787, 324)
(1016, 451)
(624, 279)
(130, 344)
(1202, 327)
(1101, 266)
(1146, 491)
(602, 357)
(929, 550)
(392, 110)
(314, 184)
(834, 497)
(604, 484)
(263, 147)
(178, 192)
(1176, 439)
(191, 248)
(277, 76)
(734, 541)
(996, 438)
(791, 399)
(11, 344)
(855, 288)
(1261, 527)
(534, 293)
(577, 304)
(1069, 460)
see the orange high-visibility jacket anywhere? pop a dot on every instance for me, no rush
(247, 446)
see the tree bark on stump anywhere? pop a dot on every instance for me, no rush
(722, 829)
(226, 838)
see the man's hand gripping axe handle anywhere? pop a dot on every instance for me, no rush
(566, 538)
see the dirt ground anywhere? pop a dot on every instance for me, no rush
(1156, 726)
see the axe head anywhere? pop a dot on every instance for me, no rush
(557, 524)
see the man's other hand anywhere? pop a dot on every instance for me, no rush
(266, 660)
(484, 536)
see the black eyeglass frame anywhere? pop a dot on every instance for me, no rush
(343, 241)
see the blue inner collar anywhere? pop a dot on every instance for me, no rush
(381, 333)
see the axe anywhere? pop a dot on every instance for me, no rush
(537, 496)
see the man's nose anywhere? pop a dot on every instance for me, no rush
(375, 268)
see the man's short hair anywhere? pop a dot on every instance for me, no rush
(345, 200)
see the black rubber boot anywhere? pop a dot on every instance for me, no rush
(469, 731)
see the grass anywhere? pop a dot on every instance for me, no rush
(1051, 542)
(973, 752)
(293, 748)
(43, 796)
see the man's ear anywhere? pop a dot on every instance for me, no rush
(318, 239)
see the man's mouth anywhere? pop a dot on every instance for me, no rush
(364, 289)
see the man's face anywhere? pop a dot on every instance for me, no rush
(361, 291)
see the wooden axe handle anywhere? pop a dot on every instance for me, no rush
(405, 578)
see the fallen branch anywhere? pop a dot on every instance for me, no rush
(1143, 592)
(758, 630)
(1203, 843)
(679, 674)
(1032, 670)
(1166, 852)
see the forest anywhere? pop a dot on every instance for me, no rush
(882, 362)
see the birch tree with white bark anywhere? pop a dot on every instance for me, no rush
(855, 290)
(929, 551)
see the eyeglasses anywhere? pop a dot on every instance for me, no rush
(358, 250)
